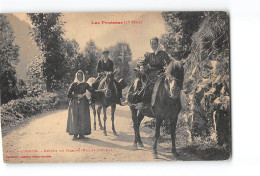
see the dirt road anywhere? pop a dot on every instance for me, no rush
(44, 140)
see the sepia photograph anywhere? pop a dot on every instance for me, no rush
(115, 86)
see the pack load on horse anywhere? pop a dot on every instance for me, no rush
(110, 88)
(156, 93)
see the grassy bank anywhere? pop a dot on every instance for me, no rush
(17, 111)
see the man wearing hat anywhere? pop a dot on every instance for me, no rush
(106, 65)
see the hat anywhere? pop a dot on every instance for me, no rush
(105, 52)
(154, 38)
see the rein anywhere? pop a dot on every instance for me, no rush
(149, 79)
(167, 87)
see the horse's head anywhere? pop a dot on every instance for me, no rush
(107, 83)
(174, 78)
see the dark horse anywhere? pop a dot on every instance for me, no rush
(167, 105)
(105, 97)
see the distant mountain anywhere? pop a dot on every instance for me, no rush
(28, 49)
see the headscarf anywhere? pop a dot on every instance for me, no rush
(76, 77)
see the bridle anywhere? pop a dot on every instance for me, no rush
(106, 86)
(167, 87)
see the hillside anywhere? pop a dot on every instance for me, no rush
(28, 48)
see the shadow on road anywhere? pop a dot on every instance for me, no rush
(121, 137)
(105, 144)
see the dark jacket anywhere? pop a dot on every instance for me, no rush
(158, 60)
(79, 88)
(105, 66)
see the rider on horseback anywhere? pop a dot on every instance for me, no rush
(106, 65)
(153, 62)
(158, 59)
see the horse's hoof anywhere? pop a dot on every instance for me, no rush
(155, 156)
(135, 146)
(115, 133)
(175, 154)
(105, 133)
(140, 144)
(101, 128)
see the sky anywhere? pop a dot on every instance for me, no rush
(79, 26)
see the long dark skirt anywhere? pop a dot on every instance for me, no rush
(79, 117)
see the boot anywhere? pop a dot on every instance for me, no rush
(137, 97)
(75, 137)
(81, 136)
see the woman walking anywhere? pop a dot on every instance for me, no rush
(78, 123)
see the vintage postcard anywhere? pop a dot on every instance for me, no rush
(115, 86)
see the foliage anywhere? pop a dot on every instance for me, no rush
(201, 39)
(36, 82)
(70, 50)
(19, 109)
(9, 53)
(21, 88)
(121, 54)
(209, 58)
(181, 26)
(207, 76)
(92, 54)
(47, 32)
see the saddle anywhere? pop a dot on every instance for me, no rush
(150, 85)
(145, 90)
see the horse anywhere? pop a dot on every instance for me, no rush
(105, 97)
(167, 105)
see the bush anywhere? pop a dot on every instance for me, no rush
(19, 109)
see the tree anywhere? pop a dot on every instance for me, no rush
(81, 63)
(47, 32)
(9, 53)
(92, 54)
(70, 50)
(36, 82)
(181, 26)
(209, 56)
(121, 54)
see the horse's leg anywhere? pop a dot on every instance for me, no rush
(94, 113)
(140, 117)
(99, 121)
(173, 123)
(135, 124)
(157, 135)
(113, 108)
(105, 119)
